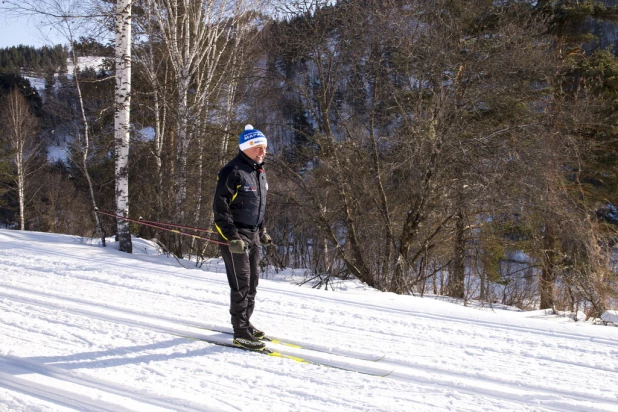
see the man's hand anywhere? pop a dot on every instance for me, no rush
(237, 246)
(265, 238)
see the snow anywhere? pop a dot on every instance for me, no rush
(57, 153)
(610, 317)
(93, 329)
(85, 61)
(37, 83)
(147, 133)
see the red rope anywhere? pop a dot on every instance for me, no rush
(143, 222)
(178, 226)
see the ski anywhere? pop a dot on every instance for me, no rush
(306, 346)
(307, 359)
(347, 354)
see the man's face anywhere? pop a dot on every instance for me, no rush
(256, 153)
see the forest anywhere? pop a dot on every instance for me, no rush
(457, 148)
(22, 59)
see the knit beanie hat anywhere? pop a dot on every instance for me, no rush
(251, 137)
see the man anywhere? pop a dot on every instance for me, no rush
(239, 207)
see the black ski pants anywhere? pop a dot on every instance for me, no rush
(242, 276)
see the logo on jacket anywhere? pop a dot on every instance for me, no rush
(249, 188)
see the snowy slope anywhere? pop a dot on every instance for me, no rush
(92, 329)
(85, 61)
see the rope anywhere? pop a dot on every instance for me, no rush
(150, 224)
(178, 226)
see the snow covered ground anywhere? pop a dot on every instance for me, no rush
(92, 329)
(83, 62)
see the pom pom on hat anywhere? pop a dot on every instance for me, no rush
(250, 138)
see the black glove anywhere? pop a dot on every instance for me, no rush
(265, 238)
(237, 246)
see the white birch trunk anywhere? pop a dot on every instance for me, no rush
(159, 141)
(84, 144)
(19, 129)
(229, 113)
(21, 185)
(122, 119)
(182, 146)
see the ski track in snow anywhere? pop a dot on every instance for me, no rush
(90, 328)
(415, 313)
(467, 382)
(20, 366)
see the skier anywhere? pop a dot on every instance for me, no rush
(239, 207)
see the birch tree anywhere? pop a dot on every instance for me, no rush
(69, 18)
(147, 56)
(122, 118)
(200, 37)
(68, 27)
(19, 132)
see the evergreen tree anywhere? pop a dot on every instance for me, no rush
(17, 59)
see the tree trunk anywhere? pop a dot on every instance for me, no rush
(457, 276)
(182, 146)
(84, 145)
(122, 119)
(21, 190)
(19, 111)
(548, 274)
(19, 129)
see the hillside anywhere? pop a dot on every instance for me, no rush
(92, 329)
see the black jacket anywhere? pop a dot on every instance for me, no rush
(240, 197)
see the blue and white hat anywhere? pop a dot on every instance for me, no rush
(250, 138)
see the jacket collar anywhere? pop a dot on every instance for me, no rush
(246, 159)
